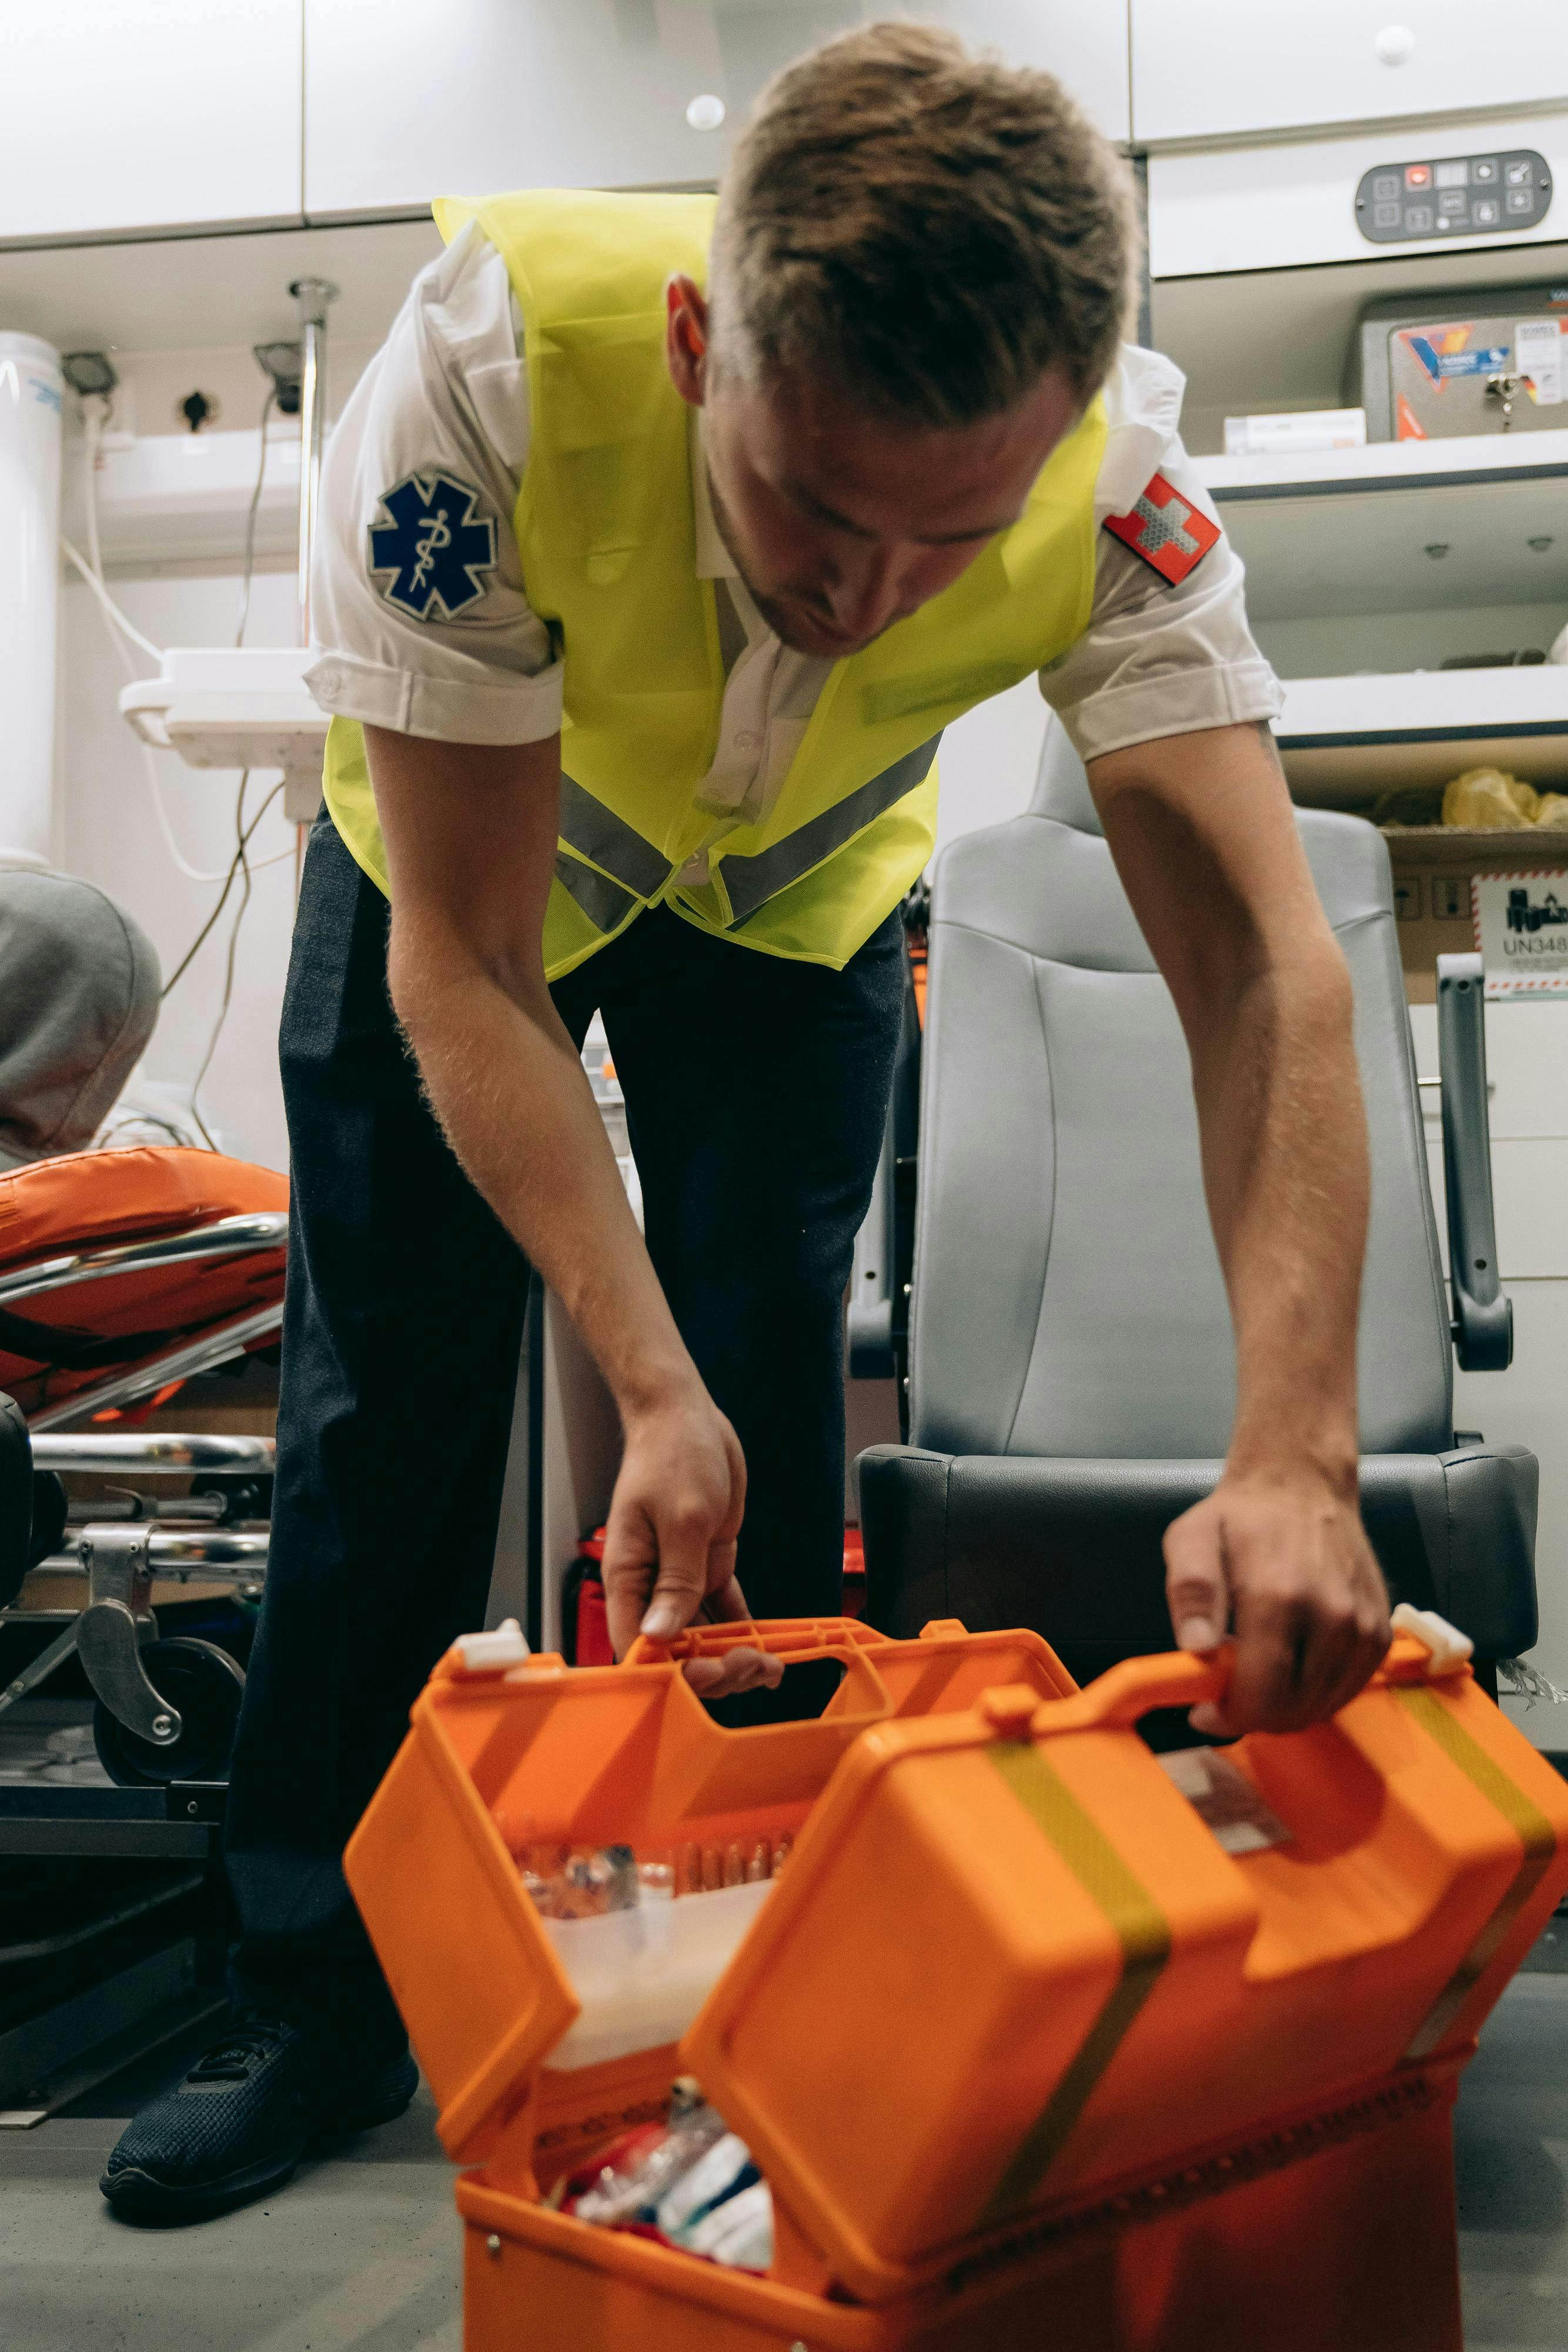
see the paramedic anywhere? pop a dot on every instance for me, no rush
(657, 549)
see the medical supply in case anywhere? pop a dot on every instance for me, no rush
(1489, 358)
(1035, 2026)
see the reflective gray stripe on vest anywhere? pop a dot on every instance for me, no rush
(750, 882)
(604, 902)
(596, 832)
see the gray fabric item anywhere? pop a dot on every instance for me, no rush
(78, 1001)
(1074, 1548)
(1068, 1297)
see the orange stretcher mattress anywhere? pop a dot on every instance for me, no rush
(64, 1342)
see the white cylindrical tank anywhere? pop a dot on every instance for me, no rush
(31, 430)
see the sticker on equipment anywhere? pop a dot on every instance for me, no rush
(1221, 1793)
(1168, 530)
(1521, 931)
(437, 553)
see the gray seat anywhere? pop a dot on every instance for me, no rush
(1072, 1372)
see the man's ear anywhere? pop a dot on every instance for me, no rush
(685, 338)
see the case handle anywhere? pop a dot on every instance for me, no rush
(797, 1641)
(793, 1638)
(1117, 1698)
(1172, 1678)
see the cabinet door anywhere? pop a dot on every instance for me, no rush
(596, 93)
(129, 114)
(1214, 69)
(1082, 42)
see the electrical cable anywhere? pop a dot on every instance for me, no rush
(95, 418)
(242, 832)
(266, 407)
(242, 865)
(121, 629)
(227, 877)
(112, 613)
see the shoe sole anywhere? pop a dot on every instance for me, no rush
(143, 2196)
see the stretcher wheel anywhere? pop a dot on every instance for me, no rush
(206, 1686)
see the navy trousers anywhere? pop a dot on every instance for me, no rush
(755, 1091)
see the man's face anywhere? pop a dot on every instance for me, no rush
(842, 524)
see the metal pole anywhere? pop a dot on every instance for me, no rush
(313, 295)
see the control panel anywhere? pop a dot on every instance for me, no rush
(1453, 195)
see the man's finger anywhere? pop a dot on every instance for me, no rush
(740, 1669)
(1196, 1589)
(725, 1604)
(628, 1572)
(1367, 1642)
(683, 1532)
(1272, 1630)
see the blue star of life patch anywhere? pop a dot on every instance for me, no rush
(438, 554)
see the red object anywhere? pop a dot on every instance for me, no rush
(1171, 534)
(854, 1573)
(1417, 175)
(593, 1644)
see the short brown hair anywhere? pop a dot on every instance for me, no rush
(929, 230)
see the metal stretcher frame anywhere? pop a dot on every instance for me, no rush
(119, 1561)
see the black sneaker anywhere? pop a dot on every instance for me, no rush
(243, 2116)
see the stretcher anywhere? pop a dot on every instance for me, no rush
(1029, 2046)
(123, 1273)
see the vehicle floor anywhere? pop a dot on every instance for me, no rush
(361, 2252)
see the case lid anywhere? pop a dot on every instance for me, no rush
(1013, 1968)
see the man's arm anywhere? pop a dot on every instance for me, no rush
(470, 834)
(1201, 830)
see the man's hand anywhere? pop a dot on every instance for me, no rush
(1283, 1563)
(1204, 840)
(669, 1551)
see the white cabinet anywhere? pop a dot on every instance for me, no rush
(402, 105)
(1227, 69)
(1293, 200)
(132, 114)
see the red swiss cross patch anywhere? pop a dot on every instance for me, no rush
(1168, 533)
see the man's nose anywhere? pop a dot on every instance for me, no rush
(873, 593)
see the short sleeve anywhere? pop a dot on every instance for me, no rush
(418, 608)
(1168, 648)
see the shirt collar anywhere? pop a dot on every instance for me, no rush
(713, 556)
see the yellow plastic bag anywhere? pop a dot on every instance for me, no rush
(1485, 799)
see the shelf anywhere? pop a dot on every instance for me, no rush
(178, 495)
(1382, 465)
(1349, 531)
(1345, 740)
(1450, 844)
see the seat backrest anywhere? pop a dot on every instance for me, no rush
(1068, 1297)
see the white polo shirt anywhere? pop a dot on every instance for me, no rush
(450, 648)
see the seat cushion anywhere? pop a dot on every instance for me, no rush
(1073, 1550)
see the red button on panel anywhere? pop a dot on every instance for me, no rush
(1417, 175)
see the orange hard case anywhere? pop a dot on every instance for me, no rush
(1026, 2055)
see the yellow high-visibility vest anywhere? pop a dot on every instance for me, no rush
(607, 540)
